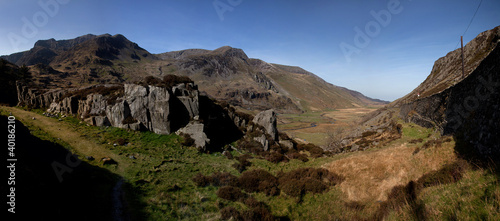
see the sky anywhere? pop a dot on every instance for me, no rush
(381, 48)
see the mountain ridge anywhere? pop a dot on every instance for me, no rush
(225, 73)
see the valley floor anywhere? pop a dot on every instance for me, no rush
(318, 126)
(416, 177)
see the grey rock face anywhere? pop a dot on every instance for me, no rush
(267, 119)
(196, 131)
(262, 140)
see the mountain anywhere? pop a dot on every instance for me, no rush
(465, 107)
(226, 73)
(447, 70)
(85, 60)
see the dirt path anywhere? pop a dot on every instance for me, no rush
(117, 199)
(61, 130)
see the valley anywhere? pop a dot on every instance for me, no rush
(215, 135)
(317, 126)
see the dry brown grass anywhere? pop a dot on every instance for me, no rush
(370, 175)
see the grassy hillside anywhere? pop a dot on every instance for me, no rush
(158, 174)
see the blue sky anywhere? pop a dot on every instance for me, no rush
(393, 57)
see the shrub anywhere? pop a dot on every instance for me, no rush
(230, 212)
(298, 182)
(253, 203)
(283, 136)
(150, 80)
(172, 80)
(113, 92)
(216, 179)
(201, 180)
(293, 188)
(298, 156)
(258, 213)
(187, 140)
(120, 141)
(251, 146)
(276, 157)
(230, 193)
(314, 150)
(243, 162)
(314, 185)
(258, 181)
(223, 179)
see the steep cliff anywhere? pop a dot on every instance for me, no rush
(469, 109)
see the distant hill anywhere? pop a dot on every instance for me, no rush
(225, 73)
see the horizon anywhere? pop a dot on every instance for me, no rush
(383, 50)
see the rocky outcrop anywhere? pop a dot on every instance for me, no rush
(447, 70)
(468, 110)
(267, 119)
(162, 110)
(196, 131)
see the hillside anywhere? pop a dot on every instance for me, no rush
(447, 70)
(466, 108)
(160, 148)
(228, 74)
(225, 73)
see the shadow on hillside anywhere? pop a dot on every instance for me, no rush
(472, 154)
(81, 192)
(218, 126)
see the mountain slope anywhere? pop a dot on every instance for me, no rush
(225, 73)
(228, 74)
(447, 70)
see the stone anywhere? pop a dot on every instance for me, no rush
(268, 120)
(354, 147)
(287, 143)
(196, 131)
(263, 140)
(101, 121)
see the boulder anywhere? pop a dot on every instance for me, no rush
(268, 120)
(159, 109)
(196, 131)
(263, 140)
(287, 143)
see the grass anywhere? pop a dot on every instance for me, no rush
(315, 126)
(162, 171)
(159, 183)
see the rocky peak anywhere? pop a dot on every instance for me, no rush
(228, 51)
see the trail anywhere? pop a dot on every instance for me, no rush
(117, 199)
(82, 145)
